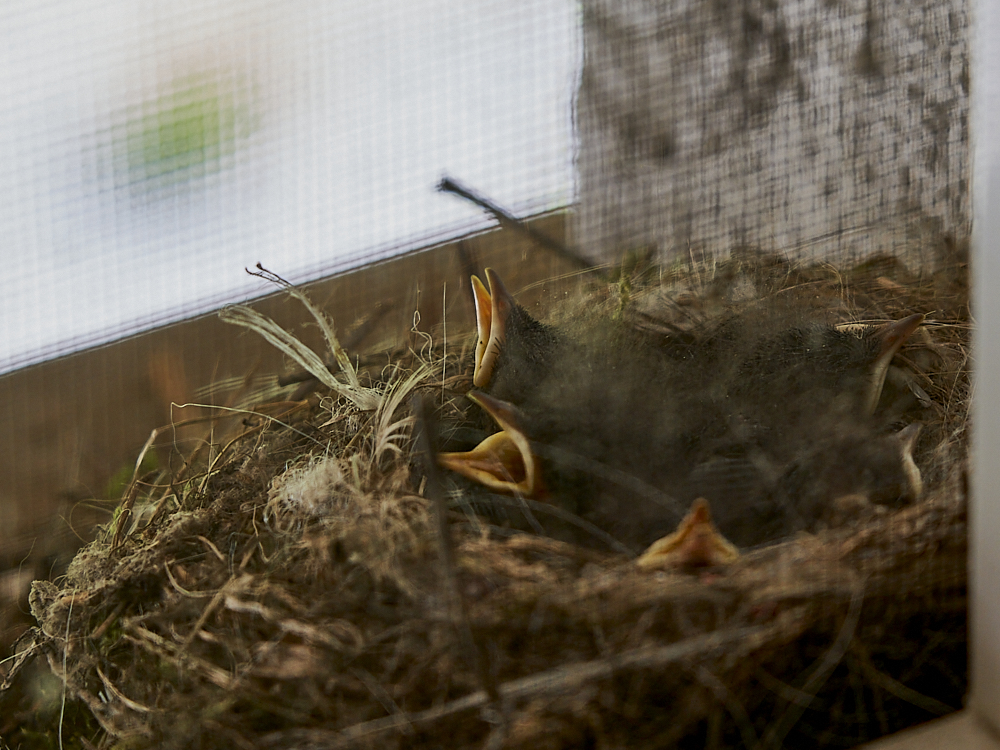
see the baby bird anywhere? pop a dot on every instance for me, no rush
(816, 367)
(768, 423)
(569, 408)
(514, 350)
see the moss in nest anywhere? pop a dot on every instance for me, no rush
(120, 480)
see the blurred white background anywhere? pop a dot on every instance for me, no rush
(151, 151)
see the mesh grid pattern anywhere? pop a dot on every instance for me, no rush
(153, 152)
(813, 128)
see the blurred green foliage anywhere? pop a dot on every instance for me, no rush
(184, 133)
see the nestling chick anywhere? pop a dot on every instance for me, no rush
(767, 423)
(514, 350)
(841, 367)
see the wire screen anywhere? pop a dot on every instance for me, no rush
(806, 128)
(153, 151)
(706, 491)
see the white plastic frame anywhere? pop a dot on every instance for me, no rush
(984, 511)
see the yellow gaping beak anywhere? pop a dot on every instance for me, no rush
(493, 308)
(695, 544)
(887, 338)
(503, 462)
(908, 439)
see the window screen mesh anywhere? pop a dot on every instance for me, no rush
(152, 151)
(813, 129)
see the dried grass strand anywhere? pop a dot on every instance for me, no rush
(732, 704)
(820, 672)
(556, 681)
(898, 689)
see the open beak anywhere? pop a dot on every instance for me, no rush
(908, 439)
(887, 339)
(503, 462)
(695, 544)
(493, 308)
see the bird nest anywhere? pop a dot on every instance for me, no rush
(297, 585)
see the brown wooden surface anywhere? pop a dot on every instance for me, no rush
(72, 422)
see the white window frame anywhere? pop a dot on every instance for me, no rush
(984, 510)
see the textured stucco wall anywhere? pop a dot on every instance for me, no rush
(810, 126)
